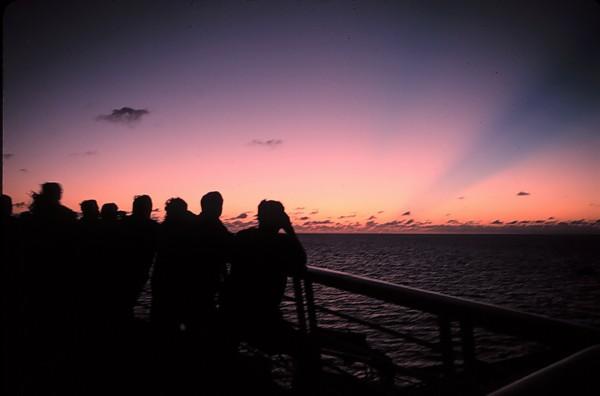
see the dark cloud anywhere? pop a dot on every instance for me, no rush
(461, 197)
(393, 223)
(497, 222)
(318, 222)
(347, 216)
(522, 193)
(452, 221)
(407, 213)
(304, 218)
(266, 143)
(314, 212)
(240, 216)
(551, 218)
(579, 222)
(409, 221)
(380, 212)
(24, 170)
(372, 218)
(7, 156)
(512, 222)
(239, 225)
(370, 223)
(125, 115)
(19, 205)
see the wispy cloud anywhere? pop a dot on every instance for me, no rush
(523, 193)
(347, 216)
(87, 153)
(267, 143)
(407, 213)
(124, 115)
(24, 170)
(7, 156)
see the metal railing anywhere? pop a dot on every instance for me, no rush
(448, 309)
(577, 373)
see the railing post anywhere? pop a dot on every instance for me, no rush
(300, 312)
(468, 344)
(310, 304)
(446, 344)
(309, 357)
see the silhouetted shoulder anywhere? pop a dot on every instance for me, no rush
(67, 214)
(248, 233)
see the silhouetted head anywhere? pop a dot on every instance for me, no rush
(89, 209)
(212, 204)
(48, 197)
(175, 208)
(271, 215)
(142, 206)
(109, 211)
(6, 206)
(52, 192)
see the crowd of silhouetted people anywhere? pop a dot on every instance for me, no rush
(71, 283)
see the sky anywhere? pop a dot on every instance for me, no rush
(360, 116)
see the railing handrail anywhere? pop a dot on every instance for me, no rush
(490, 316)
(573, 374)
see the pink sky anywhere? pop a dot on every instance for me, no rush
(391, 110)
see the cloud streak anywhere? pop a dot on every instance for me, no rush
(272, 143)
(124, 115)
(87, 153)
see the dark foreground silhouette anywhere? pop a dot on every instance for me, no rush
(70, 285)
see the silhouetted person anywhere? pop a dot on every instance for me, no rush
(51, 289)
(110, 269)
(89, 259)
(173, 283)
(172, 278)
(94, 308)
(262, 260)
(11, 288)
(214, 243)
(139, 237)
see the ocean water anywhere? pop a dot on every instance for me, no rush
(553, 275)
